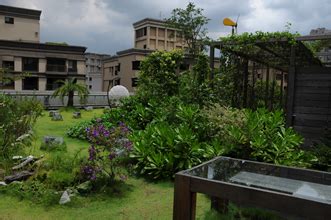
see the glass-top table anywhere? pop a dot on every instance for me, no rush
(290, 191)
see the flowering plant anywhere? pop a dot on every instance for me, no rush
(109, 146)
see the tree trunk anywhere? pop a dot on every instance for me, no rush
(70, 99)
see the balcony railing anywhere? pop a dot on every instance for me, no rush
(56, 68)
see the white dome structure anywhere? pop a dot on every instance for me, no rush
(118, 92)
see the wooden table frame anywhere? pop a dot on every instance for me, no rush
(186, 187)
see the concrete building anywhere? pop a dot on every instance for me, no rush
(123, 68)
(153, 34)
(325, 54)
(20, 51)
(93, 71)
(45, 64)
(150, 35)
(19, 24)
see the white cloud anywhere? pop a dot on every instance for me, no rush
(106, 25)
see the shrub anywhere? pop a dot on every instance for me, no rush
(16, 120)
(109, 147)
(79, 130)
(264, 137)
(161, 150)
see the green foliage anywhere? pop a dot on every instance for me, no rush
(195, 86)
(158, 76)
(32, 190)
(68, 88)
(322, 150)
(264, 137)
(191, 25)
(16, 120)
(177, 139)
(161, 150)
(79, 130)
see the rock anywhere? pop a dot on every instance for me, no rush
(65, 198)
(76, 115)
(89, 108)
(17, 157)
(51, 113)
(106, 107)
(57, 117)
(27, 161)
(3, 184)
(84, 187)
(52, 142)
(18, 176)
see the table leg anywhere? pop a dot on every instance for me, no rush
(184, 199)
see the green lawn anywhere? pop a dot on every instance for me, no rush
(136, 199)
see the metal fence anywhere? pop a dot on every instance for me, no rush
(95, 99)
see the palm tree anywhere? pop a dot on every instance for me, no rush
(68, 88)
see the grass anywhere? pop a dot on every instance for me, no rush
(136, 199)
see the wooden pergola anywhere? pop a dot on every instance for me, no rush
(282, 55)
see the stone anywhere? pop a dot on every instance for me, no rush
(89, 108)
(84, 187)
(106, 107)
(23, 175)
(76, 115)
(52, 142)
(17, 157)
(65, 198)
(57, 117)
(25, 162)
(3, 184)
(51, 113)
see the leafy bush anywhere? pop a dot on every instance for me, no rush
(109, 147)
(79, 130)
(16, 120)
(161, 150)
(264, 137)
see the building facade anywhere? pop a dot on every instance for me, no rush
(19, 24)
(93, 71)
(123, 68)
(43, 64)
(149, 35)
(153, 34)
(325, 53)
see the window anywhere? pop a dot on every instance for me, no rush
(53, 83)
(135, 65)
(56, 65)
(90, 78)
(72, 65)
(8, 65)
(141, 32)
(134, 82)
(117, 82)
(145, 46)
(30, 64)
(30, 83)
(90, 86)
(9, 20)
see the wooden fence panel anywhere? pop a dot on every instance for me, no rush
(311, 111)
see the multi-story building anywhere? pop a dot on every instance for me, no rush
(93, 71)
(20, 51)
(19, 24)
(325, 53)
(150, 35)
(154, 34)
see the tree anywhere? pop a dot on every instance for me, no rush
(68, 88)
(190, 23)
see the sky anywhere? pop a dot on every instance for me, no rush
(105, 26)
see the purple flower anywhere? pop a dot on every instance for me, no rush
(112, 155)
(92, 153)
